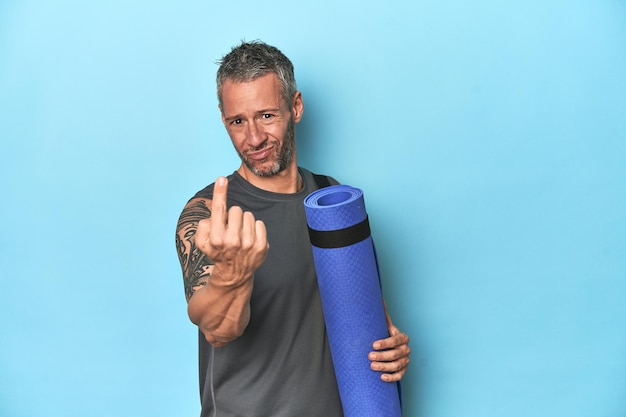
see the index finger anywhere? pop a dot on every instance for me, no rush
(218, 204)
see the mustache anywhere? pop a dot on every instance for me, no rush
(262, 146)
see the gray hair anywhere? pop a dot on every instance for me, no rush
(251, 60)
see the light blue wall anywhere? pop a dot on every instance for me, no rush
(489, 138)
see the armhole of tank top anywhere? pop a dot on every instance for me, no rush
(322, 181)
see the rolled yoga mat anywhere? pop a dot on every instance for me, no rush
(347, 274)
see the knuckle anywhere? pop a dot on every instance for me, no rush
(232, 241)
(216, 241)
(247, 242)
(217, 206)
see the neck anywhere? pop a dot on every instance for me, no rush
(287, 181)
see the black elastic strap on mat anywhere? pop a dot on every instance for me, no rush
(340, 238)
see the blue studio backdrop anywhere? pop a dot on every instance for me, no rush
(489, 139)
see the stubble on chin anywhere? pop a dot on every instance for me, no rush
(261, 169)
(281, 159)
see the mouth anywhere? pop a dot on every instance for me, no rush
(261, 154)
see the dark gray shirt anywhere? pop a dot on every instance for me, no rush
(281, 366)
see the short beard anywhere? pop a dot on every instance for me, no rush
(284, 158)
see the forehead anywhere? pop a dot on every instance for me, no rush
(261, 93)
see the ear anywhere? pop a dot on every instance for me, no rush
(297, 109)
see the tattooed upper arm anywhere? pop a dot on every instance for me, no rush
(196, 265)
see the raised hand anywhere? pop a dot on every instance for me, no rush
(235, 245)
(233, 239)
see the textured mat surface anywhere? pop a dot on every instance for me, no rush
(347, 273)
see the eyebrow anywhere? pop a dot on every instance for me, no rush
(263, 111)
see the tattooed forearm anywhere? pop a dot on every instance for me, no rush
(196, 266)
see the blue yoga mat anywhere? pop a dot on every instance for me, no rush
(347, 274)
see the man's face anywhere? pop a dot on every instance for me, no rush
(259, 123)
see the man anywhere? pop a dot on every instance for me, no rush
(247, 262)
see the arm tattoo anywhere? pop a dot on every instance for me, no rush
(196, 265)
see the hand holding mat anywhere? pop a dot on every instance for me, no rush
(354, 313)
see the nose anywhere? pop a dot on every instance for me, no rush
(255, 134)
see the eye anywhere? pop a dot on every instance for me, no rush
(266, 116)
(236, 122)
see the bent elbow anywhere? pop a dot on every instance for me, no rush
(194, 313)
(217, 341)
(217, 332)
(219, 327)
(217, 338)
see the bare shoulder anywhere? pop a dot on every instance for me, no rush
(196, 266)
